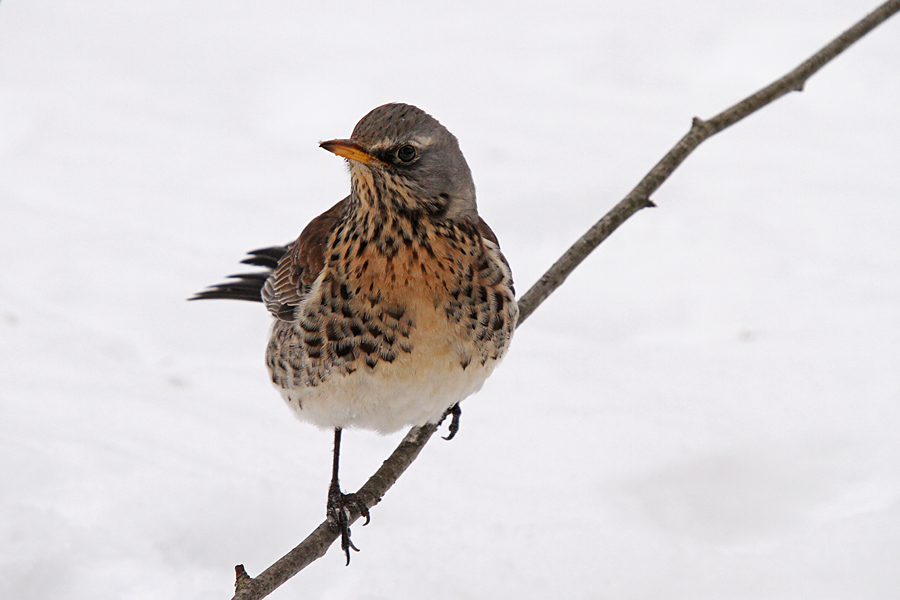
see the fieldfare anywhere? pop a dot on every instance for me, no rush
(393, 305)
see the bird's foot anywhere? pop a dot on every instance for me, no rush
(455, 411)
(340, 506)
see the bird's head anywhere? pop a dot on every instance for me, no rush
(401, 151)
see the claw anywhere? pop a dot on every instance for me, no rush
(338, 512)
(456, 412)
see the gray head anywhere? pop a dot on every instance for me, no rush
(402, 150)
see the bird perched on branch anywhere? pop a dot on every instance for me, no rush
(393, 305)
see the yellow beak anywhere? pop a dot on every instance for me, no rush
(352, 151)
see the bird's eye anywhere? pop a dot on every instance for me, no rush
(406, 153)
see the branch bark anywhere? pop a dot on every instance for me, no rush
(318, 542)
(701, 130)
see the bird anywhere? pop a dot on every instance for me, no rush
(393, 305)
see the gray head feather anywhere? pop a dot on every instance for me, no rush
(439, 173)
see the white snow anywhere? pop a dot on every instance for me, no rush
(708, 408)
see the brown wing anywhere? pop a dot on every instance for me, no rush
(486, 232)
(300, 265)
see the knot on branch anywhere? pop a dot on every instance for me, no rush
(241, 578)
(698, 125)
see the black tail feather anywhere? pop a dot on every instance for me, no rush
(246, 286)
(265, 257)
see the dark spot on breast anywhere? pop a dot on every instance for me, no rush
(418, 228)
(308, 326)
(396, 312)
(405, 327)
(499, 300)
(333, 331)
(343, 349)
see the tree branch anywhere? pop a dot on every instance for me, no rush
(701, 130)
(318, 542)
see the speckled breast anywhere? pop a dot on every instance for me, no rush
(415, 311)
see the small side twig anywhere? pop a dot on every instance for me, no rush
(241, 578)
(318, 542)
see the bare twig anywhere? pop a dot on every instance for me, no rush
(318, 542)
(639, 197)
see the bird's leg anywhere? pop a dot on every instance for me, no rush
(339, 503)
(456, 411)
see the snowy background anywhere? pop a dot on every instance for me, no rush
(708, 408)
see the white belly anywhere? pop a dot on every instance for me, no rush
(390, 397)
